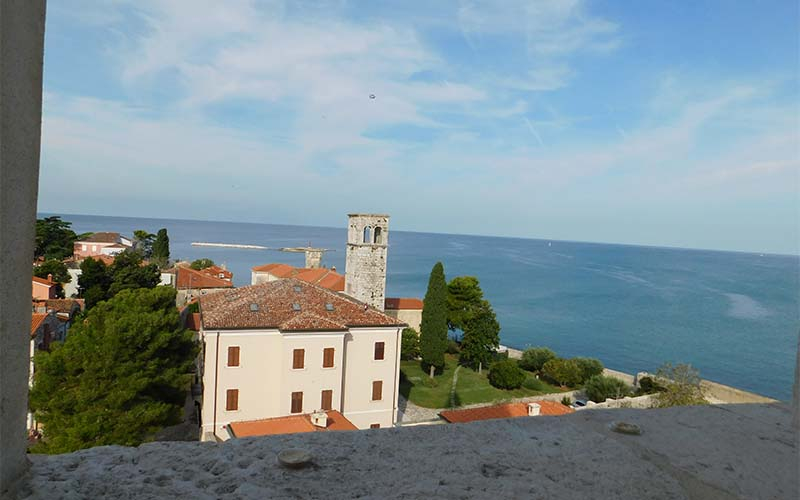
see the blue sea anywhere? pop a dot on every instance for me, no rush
(734, 316)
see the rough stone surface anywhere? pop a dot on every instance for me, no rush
(705, 452)
(365, 262)
(21, 49)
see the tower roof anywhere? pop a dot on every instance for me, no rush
(368, 215)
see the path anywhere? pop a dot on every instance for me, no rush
(453, 388)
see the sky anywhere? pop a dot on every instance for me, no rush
(655, 123)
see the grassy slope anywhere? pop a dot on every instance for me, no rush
(471, 387)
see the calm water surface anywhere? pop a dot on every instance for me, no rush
(734, 316)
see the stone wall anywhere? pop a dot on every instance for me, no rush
(365, 264)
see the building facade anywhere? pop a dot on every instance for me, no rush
(103, 243)
(288, 347)
(365, 262)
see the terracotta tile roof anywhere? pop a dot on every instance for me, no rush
(42, 281)
(188, 278)
(508, 410)
(290, 425)
(232, 309)
(62, 305)
(326, 278)
(36, 322)
(215, 271)
(101, 237)
(395, 303)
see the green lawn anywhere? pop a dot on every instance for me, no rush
(471, 387)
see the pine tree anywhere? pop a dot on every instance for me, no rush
(481, 336)
(121, 375)
(161, 248)
(433, 329)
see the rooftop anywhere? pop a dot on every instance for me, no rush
(682, 453)
(404, 303)
(101, 237)
(42, 281)
(326, 278)
(508, 410)
(36, 321)
(290, 425)
(188, 278)
(288, 305)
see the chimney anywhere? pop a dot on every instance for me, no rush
(533, 409)
(319, 419)
(333, 268)
(50, 278)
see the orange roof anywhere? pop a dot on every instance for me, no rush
(326, 278)
(288, 305)
(508, 410)
(42, 281)
(395, 303)
(188, 278)
(290, 425)
(36, 322)
(277, 270)
(215, 271)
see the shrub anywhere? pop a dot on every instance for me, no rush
(564, 372)
(533, 359)
(600, 387)
(409, 346)
(589, 368)
(648, 386)
(452, 347)
(566, 401)
(506, 375)
(681, 386)
(533, 384)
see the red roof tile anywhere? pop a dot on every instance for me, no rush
(101, 237)
(62, 305)
(508, 410)
(274, 304)
(188, 278)
(395, 303)
(290, 425)
(326, 278)
(277, 270)
(36, 322)
(215, 271)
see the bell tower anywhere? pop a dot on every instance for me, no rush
(365, 264)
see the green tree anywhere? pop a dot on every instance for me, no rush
(143, 242)
(564, 372)
(200, 264)
(506, 374)
(464, 295)
(121, 375)
(433, 334)
(128, 271)
(681, 386)
(94, 281)
(481, 336)
(601, 387)
(54, 238)
(409, 344)
(161, 248)
(534, 358)
(57, 269)
(589, 368)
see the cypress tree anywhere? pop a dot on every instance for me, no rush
(433, 329)
(161, 248)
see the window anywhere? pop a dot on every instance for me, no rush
(327, 400)
(374, 426)
(232, 400)
(367, 234)
(298, 359)
(233, 356)
(83, 247)
(379, 350)
(378, 235)
(327, 357)
(377, 390)
(297, 402)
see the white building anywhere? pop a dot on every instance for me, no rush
(289, 347)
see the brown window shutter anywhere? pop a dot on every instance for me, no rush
(379, 350)
(327, 399)
(377, 390)
(299, 358)
(233, 356)
(297, 402)
(327, 357)
(232, 400)
(374, 426)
